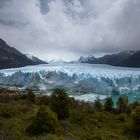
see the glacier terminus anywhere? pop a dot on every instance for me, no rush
(82, 81)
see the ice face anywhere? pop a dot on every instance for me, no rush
(76, 78)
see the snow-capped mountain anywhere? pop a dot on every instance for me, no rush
(35, 59)
(53, 61)
(11, 58)
(88, 59)
(123, 59)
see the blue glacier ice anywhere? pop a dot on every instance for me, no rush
(83, 81)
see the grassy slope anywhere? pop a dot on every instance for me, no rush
(81, 125)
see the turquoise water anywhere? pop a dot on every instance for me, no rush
(132, 97)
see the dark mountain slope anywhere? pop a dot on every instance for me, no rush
(123, 59)
(11, 58)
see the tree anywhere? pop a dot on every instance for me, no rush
(122, 104)
(60, 103)
(31, 96)
(109, 104)
(98, 104)
(45, 122)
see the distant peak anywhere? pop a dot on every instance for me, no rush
(35, 59)
(87, 59)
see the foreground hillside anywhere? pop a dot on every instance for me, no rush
(11, 58)
(27, 117)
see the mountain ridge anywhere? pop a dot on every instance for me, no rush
(123, 59)
(35, 59)
(12, 58)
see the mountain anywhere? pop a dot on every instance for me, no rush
(88, 59)
(123, 59)
(11, 58)
(56, 61)
(35, 59)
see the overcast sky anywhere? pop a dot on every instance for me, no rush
(67, 29)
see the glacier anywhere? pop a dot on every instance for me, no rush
(83, 81)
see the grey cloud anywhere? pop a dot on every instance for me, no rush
(70, 28)
(44, 7)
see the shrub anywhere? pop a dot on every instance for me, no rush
(44, 100)
(45, 122)
(31, 96)
(122, 117)
(135, 104)
(7, 110)
(60, 103)
(136, 123)
(134, 127)
(23, 97)
(109, 104)
(77, 117)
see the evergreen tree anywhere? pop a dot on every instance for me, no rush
(60, 103)
(98, 104)
(109, 104)
(122, 104)
(45, 122)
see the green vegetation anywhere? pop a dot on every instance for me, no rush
(134, 127)
(44, 122)
(122, 104)
(31, 96)
(60, 103)
(59, 117)
(109, 104)
(98, 104)
(136, 123)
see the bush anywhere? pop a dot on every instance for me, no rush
(45, 122)
(60, 103)
(23, 97)
(122, 117)
(133, 128)
(44, 100)
(77, 117)
(109, 104)
(31, 96)
(136, 123)
(7, 110)
(135, 104)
